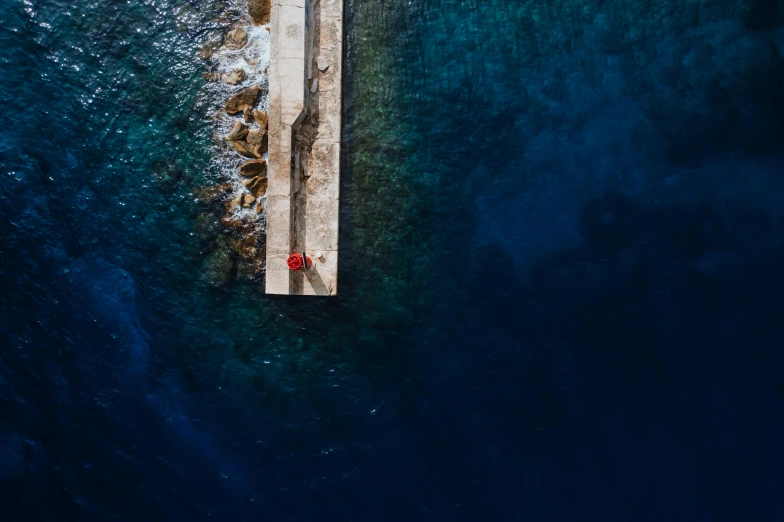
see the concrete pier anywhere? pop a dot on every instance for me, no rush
(303, 194)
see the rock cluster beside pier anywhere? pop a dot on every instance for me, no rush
(232, 222)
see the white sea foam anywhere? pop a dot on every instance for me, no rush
(254, 59)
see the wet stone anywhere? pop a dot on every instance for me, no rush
(246, 149)
(261, 118)
(238, 132)
(235, 77)
(253, 168)
(243, 100)
(237, 38)
(248, 201)
(257, 186)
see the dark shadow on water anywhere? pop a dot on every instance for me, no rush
(638, 372)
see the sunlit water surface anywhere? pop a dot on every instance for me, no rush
(560, 276)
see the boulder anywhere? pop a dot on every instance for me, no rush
(238, 132)
(211, 76)
(247, 115)
(258, 150)
(246, 149)
(254, 144)
(248, 200)
(314, 86)
(242, 100)
(259, 11)
(253, 168)
(235, 77)
(322, 63)
(236, 39)
(257, 138)
(257, 186)
(261, 118)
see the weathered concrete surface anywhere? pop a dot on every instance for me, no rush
(304, 144)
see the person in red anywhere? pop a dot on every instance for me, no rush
(296, 261)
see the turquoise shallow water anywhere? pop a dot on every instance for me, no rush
(560, 257)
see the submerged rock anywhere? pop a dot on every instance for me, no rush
(249, 271)
(234, 204)
(218, 267)
(243, 100)
(252, 168)
(238, 132)
(166, 172)
(244, 251)
(237, 38)
(230, 221)
(208, 49)
(243, 228)
(235, 77)
(209, 195)
(206, 226)
(247, 243)
(259, 11)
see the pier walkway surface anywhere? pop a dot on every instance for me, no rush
(303, 195)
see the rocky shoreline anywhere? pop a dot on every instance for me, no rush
(232, 221)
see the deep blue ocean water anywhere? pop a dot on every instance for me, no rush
(561, 285)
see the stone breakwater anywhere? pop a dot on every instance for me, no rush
(304, 144)
(278, 69)
(239, 67)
